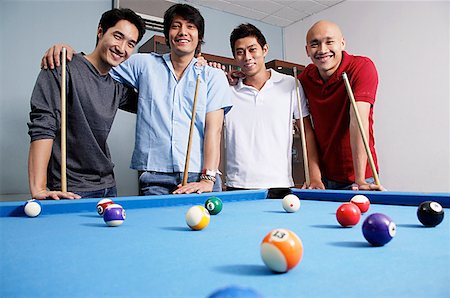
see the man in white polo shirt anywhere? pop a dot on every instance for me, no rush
(258, 130)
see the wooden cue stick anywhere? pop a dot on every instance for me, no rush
(63, 122)
(361, 129)
(191, 130)
(302, 131)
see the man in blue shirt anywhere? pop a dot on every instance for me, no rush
(166, 85)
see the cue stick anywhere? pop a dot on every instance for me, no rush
(191, 130)
(361, 129)
(63, 122)
(302, 132)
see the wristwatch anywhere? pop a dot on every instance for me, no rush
(209, 175)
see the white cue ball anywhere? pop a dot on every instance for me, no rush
(32, 208)
(291, 203)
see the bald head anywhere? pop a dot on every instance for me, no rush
(324, 45)
(322, 28)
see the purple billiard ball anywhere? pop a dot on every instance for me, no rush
(378, 229)
(114, 215)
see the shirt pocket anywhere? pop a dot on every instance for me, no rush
(189, 95)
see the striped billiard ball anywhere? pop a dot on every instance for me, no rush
(114, 215)
(281, 250)
(197, 217)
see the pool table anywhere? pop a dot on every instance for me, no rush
(68, 251)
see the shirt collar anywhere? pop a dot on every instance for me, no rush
(337, 75)
(275, 77)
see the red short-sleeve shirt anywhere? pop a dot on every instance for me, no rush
(329, 107)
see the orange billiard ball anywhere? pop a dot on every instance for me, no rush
(281, 250)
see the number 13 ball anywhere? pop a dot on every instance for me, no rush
(281, 250)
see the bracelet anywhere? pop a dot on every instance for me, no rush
(208, 178)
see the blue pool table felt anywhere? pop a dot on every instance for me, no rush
(155, 254)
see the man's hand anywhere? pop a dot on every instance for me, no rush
(52, 57)
(55, 195)
(195, 187)
(368, 186)
(314, 185)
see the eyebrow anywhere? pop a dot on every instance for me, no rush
(250, 46)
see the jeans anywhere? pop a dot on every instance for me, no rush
(159, 183)
(101, 193)
(330, 184)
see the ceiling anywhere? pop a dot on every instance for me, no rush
(280, 13)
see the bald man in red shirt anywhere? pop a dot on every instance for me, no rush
(343, 159)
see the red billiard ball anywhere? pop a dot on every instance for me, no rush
(378, 229)
(102, 204)
(362, 202)
(430, 213)
(348, 214)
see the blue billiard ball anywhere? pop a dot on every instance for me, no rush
(235, 292)
(114, 215)
(378, 229)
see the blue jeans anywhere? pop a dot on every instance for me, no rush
(101, 193)
(330, 184)
(159, 183)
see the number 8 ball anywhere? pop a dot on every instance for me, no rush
(430, 213)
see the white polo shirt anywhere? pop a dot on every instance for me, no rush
(258, 133)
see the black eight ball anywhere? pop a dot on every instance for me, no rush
(430, 213)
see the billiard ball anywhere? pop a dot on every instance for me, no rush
(362, 202)
(114, 215)
(32, 208)
(430, 213)
(378, 229)
(197, 217)
(348, 215)
(291, 203)
(281, 250)
(214, 205)
(235, 292)
(102, 204)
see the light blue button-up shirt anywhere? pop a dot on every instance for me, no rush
(165, 109)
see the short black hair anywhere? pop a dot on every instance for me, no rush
(112, 17)
(188, 13)
(246, 30)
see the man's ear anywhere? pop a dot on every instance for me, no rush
(265, 49)
(99, 32)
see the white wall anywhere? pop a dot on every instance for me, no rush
(409, 43)
(28, 28)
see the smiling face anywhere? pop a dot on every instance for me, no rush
(249, 55)
(183, 37)
(324, 45)
(117, 43)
